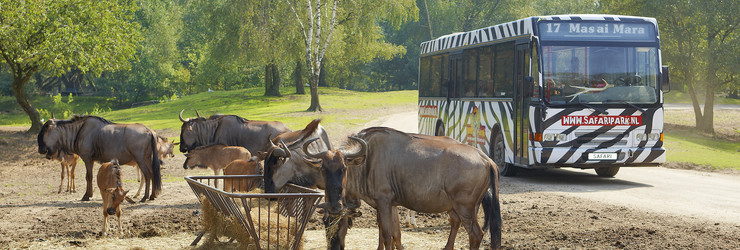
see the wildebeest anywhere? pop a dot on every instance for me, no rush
(111, 188)
(215, 157)
(242, 167)
(96, 139)
(69, 163)
(165, 149)
(294, 159)
(229, 130)
(423, 173)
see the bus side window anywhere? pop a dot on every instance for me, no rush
(535, 73)
(504, 70)
(436, 76)
(470, 67)
(425, 86)
(485, 72)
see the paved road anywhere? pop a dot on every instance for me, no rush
(696, 195)
(690, 106)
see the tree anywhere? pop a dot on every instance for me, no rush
(56, 35)
(318, 21)
(700, 42)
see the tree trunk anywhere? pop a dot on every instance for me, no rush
(708, 118)
(275, 80)
(698, 117)
(22, 100)
(298, 78)
(315, 106)
(268, 79)
(272, 80)
(322, 75)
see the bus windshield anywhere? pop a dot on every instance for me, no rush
(593, 74)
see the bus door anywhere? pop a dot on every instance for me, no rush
(521, 104)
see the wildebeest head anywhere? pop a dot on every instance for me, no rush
(334, 170)
(188, 134)
(196, 158)
(117, 194)
(274, 156)
(50, 137)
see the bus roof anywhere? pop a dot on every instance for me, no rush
(516, 28)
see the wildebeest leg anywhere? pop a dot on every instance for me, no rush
(71, 175)
(454, 226)
(61, 182)
(396, 228)
(215, 181)
(470, 222)
(118, 215)
(147, 175)
(141, 182)
(88, 177)
(385, 225)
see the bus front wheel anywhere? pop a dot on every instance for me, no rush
(498, 155)
(607, 171)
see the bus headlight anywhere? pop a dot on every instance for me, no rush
(562, 137)
(553, 137)
(641, 136)
(548, 137)
(649, 137)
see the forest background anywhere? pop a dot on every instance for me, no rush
(161, 50)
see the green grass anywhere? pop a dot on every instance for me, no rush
(340, 107)
(685, 146)
(683, 97)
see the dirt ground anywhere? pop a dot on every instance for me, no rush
(34, 215)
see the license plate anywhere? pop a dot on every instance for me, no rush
(602, 156)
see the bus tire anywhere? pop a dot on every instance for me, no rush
(440, 130)
(607, 171)
(498, 155)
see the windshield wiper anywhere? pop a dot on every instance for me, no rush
(634, 106)
(599, 110)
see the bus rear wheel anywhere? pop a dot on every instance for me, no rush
(440, 130)
(607, 171)
(498, 155)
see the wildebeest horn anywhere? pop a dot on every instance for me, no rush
(305, 150)
(275, 149)
(287, 151)
(361, 152)
(182, 120)
(196, 113)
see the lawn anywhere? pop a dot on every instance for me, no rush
(686, 145)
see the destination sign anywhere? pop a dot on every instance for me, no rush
(597, 31)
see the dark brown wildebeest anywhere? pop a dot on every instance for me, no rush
(96, 139)
(228, 130)
(423, 173)
(110, 183)
(69, 163)
(242, 167)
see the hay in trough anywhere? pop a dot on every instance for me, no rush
(265, 217)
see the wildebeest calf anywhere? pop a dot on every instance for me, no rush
(242, 167)
(215, 157)
(111, 188)
(68, 162)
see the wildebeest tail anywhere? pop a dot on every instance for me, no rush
(492, 211)
(157, 178)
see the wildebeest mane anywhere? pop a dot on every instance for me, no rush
(220, 116)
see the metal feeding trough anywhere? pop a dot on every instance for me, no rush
(272, 220)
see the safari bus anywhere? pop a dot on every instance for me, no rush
(581, 91)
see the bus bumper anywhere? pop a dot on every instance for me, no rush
(562, 156)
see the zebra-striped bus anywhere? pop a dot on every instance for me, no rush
(583, 91)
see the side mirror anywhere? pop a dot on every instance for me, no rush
(665, 79)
